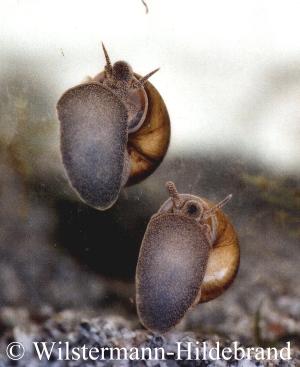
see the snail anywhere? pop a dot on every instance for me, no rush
(189, 255)
(115, 131)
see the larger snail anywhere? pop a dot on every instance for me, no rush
(115, 131)
(189, 255)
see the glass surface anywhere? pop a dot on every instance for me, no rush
(230, 77)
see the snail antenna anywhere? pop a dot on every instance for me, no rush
(108, 66)
(173, 193)
(213, 210)
(142, 81)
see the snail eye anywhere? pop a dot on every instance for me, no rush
(193, 209)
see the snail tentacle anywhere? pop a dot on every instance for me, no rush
(173, 193)
(213, 210)
(139, 83)
(108, 66)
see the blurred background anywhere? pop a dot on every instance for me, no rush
(230, 77)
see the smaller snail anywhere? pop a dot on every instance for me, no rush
(115, 131)
(189, 255)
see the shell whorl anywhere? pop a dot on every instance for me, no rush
(224, 258)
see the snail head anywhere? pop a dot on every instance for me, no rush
(121, 71)
(192, 207)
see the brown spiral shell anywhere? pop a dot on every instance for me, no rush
(223, 261)
(115, 131)
(189, 255)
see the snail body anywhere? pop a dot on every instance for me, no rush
(115, 131)
(189, 255)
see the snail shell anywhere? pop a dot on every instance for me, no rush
(115, 131)
(189, 255)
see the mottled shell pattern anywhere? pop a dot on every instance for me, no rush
(189, 255)
(115, 131)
